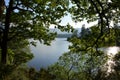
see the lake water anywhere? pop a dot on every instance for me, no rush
(44, 55)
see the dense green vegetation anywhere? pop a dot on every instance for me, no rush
(25, 19)
(21, 20)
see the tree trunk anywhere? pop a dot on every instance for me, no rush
(4, 48)
(5, 33)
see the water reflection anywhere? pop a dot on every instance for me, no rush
(47, 55)
(111, 53)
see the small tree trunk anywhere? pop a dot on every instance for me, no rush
(4, 50)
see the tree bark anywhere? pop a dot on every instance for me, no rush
(5, 33)
(2, 7)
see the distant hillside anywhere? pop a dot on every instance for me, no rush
(58, 31)
(63, 34)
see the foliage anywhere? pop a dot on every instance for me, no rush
(86, 45)
(31, 19)
(18, 54)
(77, 66)
(92, 10)
(25, 19)
(103, 34)
(104, 11)
(25, 73)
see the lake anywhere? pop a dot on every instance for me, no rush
(45, 55)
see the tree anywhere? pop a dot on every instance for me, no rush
(26, 19)
(101, 34)
(78, 66)
(84, 32)
(75, 33)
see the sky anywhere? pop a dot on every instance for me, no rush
(6, 2)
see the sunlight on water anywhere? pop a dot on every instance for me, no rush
(111, 52)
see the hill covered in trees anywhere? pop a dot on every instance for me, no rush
(64, 34)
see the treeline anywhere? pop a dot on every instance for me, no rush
(63, 35)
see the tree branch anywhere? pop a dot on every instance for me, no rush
(69, 71)
(100, 15)
(103, 13)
